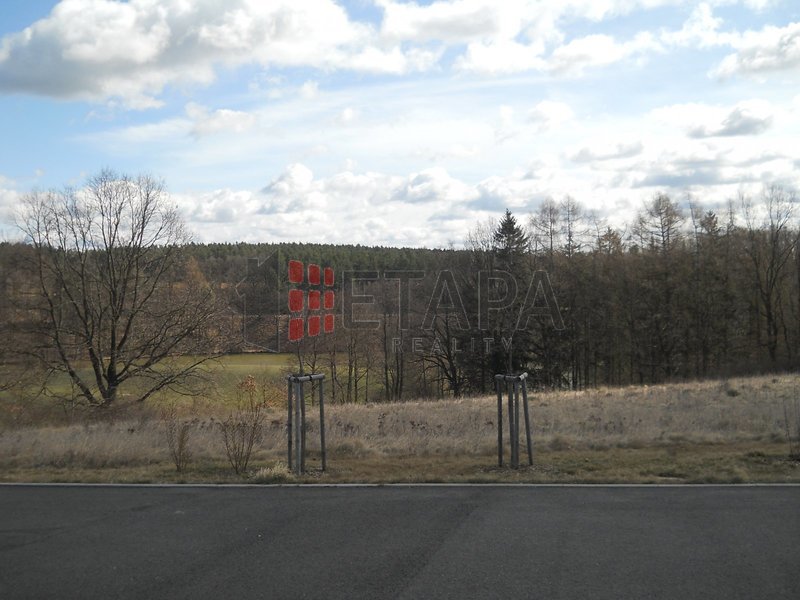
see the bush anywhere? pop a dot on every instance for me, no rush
(177, 432)
(241, 429)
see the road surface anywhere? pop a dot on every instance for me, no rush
(400, 542)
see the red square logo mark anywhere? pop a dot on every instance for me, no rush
(303, 300)
(295, 330)
(313, 274)
(313, 325)
(329, 299)
(295, 301)
(295, 271)
(313, 300)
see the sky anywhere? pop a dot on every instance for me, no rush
(381, 122)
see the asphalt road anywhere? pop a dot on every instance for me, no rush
(400, 542)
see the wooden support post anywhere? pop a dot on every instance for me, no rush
(322, 424)
(511, 426)
(516, 424)
(289, 428)
(512, 384)
(298, 448)
(527, 421)
(302, 400)
(499, 385)
(296, 423)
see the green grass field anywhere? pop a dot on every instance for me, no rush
(217, 384)
(254, 363)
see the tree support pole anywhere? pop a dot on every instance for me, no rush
(298, 446)
(513, 384)
(499, 387)
(527, 421)
(302, 399)
(322, 424)
(289, 428)
(512, 426)
(296, 429)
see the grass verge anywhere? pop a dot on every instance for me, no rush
(732, 431)
(751, 462)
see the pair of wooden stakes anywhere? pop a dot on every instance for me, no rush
(513, 385)
(296, 423)
(296, 428)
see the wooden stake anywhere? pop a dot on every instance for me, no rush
(527, 421)
(322, 424)
(499, 385)
(289, 428)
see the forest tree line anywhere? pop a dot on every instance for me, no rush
(680, 292)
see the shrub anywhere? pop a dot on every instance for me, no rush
(177, 432)
(241, 429)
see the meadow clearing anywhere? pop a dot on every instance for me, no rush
(733, 430)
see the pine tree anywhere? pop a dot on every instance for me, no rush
(510, 247)
(510, 241)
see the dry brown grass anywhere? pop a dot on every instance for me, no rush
(733, 430)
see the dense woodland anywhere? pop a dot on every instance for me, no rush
(681, 292)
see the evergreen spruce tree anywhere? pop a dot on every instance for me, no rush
(510, 242)
(510, 247)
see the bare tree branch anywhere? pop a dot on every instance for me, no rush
(115, 288)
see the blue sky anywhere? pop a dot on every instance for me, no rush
(399, 123)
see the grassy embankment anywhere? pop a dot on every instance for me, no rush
(714, 431)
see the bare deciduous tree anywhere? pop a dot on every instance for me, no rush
(114, 288)
(771, 245)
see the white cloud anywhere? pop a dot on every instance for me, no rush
(700, 29)
(432, 185)
(98, 32)
(549, 115)
(347, 116)
(746, 118)
(742, 120)
(129, 52)
(223, 206)
(219, 121)
(342, 208)
(534, 28)
(309, 90)
(159, 132)
(289, 190)
(500, 57)
(378, 60)
(100, 50)
(455, 21)
(496, 193)
(458, 151)
(770, 49)
(599, 50)
(10, 200)
(506, 127)
(604, 151)
(685, 170)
